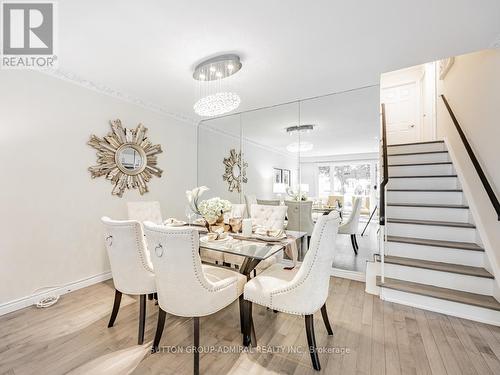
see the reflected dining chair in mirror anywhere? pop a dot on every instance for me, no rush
(365, 204)
(186, 287)
(131, 266)
(351, 224)
(269, 202)
(270, 217)
(249, 200)
(301, 291)
(145, 211)
(300, 217)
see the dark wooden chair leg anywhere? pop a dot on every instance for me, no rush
(242, 318)
(150, 296)
(252, 332)
(142, 319)
(353, 245)
(247, 323)
(356, 242)
(324, 314)
(311, 342)
(159, 330)
(196, 327)
(116, 307)
(254, 273)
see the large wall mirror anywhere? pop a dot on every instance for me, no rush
(321, 150)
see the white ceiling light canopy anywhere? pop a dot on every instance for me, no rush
(300, 147)
(214, 100)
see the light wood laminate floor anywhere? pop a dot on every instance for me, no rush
(378, 338)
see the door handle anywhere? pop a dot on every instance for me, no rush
(412, 125)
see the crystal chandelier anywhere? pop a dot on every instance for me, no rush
(215, 97)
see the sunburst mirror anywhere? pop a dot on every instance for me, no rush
(126, 157)
(236, 171)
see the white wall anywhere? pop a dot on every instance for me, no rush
(472, 87)
(51, 233)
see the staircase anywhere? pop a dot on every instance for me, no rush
(433, 258)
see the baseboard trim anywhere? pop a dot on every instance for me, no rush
(347, 274)
(23, 302)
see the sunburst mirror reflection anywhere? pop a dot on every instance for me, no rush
(235, 173)
(126, 157)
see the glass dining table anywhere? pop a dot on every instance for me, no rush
(255, 250)
(252, 251)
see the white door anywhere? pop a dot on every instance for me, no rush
(401, 110)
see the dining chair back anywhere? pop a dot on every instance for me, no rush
(365, 204)
(269, 202)
(249, 200)
(182, 283)
(186, 287)
(299, 216)
(145, 211)
(351, 225)
(272, 217)
(299, 292)
(130, 266)
(128, 256)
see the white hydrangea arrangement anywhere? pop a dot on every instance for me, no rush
(212, 208)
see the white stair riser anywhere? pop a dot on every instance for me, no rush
(422, 147)
(423, 183)
(425, 197)
(421, 170)
(419, 158)
(466, 283)
(436, 254)
(432, 232)
(460, 310)
(429, 213)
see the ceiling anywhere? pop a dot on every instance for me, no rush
(289, 49)
(345, 123)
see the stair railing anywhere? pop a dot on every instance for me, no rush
(475, 162)
(382, 192)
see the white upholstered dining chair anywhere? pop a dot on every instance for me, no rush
(351, 225)
(130, 266)
(301, 291)
(186, 287)
(272, 217)
(145, 211)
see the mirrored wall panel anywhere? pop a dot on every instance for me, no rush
(313, 156)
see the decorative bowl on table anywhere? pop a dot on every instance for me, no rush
(172, 222)
(271, 235)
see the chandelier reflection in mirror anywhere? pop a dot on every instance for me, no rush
(215, 97)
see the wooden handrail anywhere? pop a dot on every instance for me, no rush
(385, 169)
(475, 162)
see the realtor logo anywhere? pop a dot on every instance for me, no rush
(28, 35)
